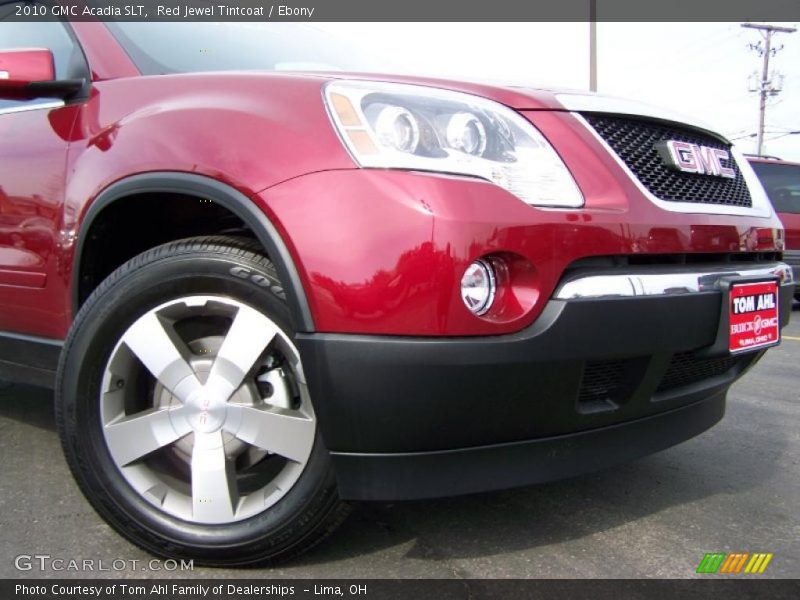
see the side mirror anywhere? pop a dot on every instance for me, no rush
(20, 68)
(31, 73)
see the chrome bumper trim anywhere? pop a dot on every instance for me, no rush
(664, 282)
(46, 105)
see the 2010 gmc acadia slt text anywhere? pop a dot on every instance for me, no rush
(262, 287)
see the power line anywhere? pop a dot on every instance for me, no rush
(777, 137)
(687, 51)
(709, 48)
(766, 86)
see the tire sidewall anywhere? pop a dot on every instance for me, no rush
(97, 330)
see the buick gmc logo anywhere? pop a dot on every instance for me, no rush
(691, 158)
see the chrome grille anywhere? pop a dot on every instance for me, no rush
(634, 140)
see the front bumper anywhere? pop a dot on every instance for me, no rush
(592, 383)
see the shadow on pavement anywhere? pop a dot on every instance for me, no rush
(28, 405)
(720, 462)
(505, 522)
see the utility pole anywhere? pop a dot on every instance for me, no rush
(764, 88)
(593, 45)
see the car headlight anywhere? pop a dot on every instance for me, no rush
(399, 126)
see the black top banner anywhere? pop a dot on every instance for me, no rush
(404, 10)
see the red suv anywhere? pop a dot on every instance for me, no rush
(262, 287)
(781, 180)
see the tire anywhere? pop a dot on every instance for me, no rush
(187, 432)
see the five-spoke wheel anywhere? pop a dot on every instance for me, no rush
(184, 411)
(228, 426)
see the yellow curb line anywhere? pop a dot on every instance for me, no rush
(794, 339)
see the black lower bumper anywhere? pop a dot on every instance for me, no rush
(590, 384)
(415, 475)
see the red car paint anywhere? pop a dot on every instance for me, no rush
(791, 221)
(787, 207)
(377, 251)
(29, 65)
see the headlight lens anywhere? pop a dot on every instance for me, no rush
(466, 133)
(398, 126)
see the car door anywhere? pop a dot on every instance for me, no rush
(34, 137)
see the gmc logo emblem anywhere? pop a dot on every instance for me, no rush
(691, 158)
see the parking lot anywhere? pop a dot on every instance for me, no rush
(734, 488)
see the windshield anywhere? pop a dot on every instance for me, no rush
(162, 48)
(782, 183)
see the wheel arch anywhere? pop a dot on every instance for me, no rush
(221, 194)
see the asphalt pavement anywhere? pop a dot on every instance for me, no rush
(736, 488)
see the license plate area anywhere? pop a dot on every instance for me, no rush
(753, 315)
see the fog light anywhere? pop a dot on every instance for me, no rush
(478, 287)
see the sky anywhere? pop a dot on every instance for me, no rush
(700, 69)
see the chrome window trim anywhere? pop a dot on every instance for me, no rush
(38, 106)
(761, 206)
(666, 282)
